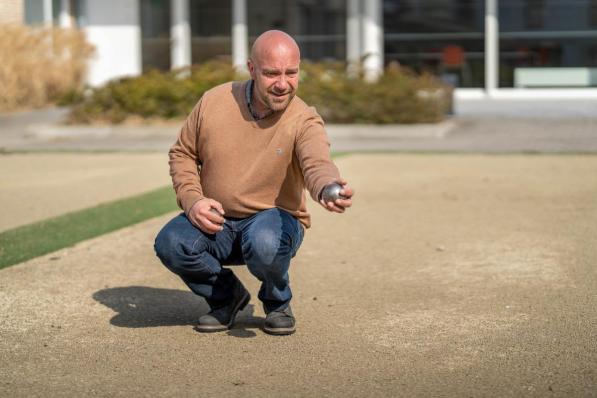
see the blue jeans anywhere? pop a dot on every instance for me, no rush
(265, 242)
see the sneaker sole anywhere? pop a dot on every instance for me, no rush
(279, 331)
(215, 328)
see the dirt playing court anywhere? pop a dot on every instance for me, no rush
(37, 186)
(453, 275)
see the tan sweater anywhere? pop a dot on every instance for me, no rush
(222, 153)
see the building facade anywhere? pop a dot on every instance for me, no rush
(485, 47)
(11, 11)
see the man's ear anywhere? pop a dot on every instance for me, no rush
(251, 68)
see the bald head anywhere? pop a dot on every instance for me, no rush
(274, 67)
(274, 42)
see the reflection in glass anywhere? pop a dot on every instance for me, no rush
(210, 30)
(155, 34)
(319, 27)
(442, 37)
(547, 33)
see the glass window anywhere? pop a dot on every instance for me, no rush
(56, 12)
(443, 37)
(79, 12)
(547, 33)
(210, 29)
(155, 34)
(319, 27)
(593, 14)
(34, 12)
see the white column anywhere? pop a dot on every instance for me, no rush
(240, 35)
(65, 14)
(491, 47)
(48, 19)
(180, 34)
(353, 36)
(372, 40)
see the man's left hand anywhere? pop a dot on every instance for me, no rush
(340, 205)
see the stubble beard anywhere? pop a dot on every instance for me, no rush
(277, 106)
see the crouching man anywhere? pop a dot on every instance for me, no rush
(240, 167)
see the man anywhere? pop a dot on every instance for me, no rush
(240, 167)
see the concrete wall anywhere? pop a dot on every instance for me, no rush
(11, 11)
(113, 27)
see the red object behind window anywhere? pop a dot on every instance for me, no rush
(453, 56)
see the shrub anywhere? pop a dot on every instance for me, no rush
(398, 97)
(39, 65)
(154, 94)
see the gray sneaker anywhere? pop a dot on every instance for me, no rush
(222, 318)
(280, 323)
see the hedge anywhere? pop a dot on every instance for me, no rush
(399, 96)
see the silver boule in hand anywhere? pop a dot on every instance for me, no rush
(215, 211)
(331, 192)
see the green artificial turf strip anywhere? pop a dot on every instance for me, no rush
(33, 240)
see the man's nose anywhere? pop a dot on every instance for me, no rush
(281, 83)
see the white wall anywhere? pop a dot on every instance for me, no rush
(11, 11)
(113, 27)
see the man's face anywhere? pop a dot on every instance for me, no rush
(276, 76)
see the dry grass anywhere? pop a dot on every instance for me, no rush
(39, 64)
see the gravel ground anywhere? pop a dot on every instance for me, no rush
(452, 275)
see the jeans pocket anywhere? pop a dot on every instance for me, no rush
(298, 238)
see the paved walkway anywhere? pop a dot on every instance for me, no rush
(453, 275)
(489, 126)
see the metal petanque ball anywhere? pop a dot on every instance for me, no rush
(331, 192)
(216, 212)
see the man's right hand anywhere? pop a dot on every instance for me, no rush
(202, 216)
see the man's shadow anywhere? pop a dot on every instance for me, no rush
(142, 307)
